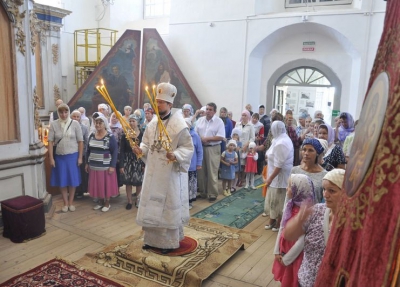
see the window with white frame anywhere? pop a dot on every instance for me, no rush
(156, 8)
(302, 3)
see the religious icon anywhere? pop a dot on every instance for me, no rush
(367, 134)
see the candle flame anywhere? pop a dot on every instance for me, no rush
(102, 82)
(147, 88)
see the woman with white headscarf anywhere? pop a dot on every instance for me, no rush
(101, 161)
(117, 130)
(65, 135)
(280, 163)
(127, 113)
(84, 119)
(247, 136)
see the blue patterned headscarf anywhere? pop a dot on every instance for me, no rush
(302, 192)
(315, 143)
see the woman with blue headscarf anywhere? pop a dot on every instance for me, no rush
(334, 156)
(141, 117)
(310, 150)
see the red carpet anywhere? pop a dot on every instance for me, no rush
(58, 273)
(186, 246)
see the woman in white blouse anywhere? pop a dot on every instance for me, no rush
(247, 136)
(280, 163)
(65, 135)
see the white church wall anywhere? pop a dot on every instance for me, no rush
(212, 61)
(194, 11)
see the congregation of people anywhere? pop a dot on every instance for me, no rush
(301, 162)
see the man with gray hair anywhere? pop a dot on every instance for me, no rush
(211, 130)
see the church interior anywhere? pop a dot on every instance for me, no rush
(302, 55)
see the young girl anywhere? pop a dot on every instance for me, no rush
(229, 159)
(251, 165)
(289, 254)
(236, 136)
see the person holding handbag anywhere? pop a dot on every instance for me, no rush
(65, 153)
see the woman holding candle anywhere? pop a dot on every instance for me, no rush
(102, 155)
(132, 168)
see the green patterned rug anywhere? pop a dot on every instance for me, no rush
(237, 210)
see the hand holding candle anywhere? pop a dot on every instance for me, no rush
(129, 132)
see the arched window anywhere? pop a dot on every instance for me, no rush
(305, 76)
(304, 90)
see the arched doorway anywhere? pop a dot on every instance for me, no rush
(308, 77)
(305, 90)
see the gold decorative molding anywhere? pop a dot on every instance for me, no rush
(12, 7)
(47, 26)
(36, 107)
(54, 50)
(57, 94)
(34, 27)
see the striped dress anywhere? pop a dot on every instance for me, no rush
(101, 155)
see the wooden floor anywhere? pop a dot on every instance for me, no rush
(71, 235)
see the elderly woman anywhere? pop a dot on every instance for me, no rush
(334, 156)
(101, 161)
(141, 115)
(127, 112)
(65, 135)
(148, 115)
(247, 136)
(132, 168)
(310, 151)
(249, 108)
(82, 188)
(344, 127)
(315, 224)
(318, 115)
(187, 111)
(230, 115)
(84, 119)
(117, 130)
(280, 162)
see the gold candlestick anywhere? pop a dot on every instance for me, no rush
(161, 143)
(129, 132)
